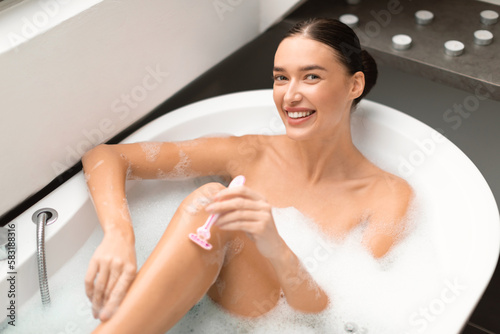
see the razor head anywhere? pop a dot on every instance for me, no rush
(199, 241)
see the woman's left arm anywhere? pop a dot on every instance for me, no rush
(242, 209)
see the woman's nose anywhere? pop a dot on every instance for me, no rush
(293, 95)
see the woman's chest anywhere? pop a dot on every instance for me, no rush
(335, 208)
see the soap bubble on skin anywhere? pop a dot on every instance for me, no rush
(220, 285)
(189, 143)
(198, 204)
(151, 149)
(213, 256)
(182, 170)
(233, 248)
(99, 163)
(130, 174)
(161, 175)
(124, 210)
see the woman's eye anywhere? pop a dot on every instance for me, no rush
(312, 77)
(279, 78)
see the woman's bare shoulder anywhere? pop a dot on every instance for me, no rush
(394, 194)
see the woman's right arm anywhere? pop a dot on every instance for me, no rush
(113, 266)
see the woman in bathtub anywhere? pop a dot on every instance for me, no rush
(320, 74)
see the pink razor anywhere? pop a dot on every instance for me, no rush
(203, 232)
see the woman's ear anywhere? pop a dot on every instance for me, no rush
(358, 84)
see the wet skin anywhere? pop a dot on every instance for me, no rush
(314, 167)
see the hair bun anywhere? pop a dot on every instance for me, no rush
(370, 70)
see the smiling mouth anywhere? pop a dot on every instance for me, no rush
(300, 114)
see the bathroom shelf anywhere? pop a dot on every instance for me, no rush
(477, 70)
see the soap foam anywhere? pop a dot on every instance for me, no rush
(151, 149)
(130, 175)
(100, 162)
(182, 170)
(378, 295)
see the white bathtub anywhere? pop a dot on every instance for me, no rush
(467, 237)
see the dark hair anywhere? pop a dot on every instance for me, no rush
(344, 41)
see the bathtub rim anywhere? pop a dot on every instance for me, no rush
(262, 98)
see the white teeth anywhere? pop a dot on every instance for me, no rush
(299, 114)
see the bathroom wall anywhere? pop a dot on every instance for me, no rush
(80, 82)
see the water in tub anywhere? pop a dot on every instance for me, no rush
(367, 295)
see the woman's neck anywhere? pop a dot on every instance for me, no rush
(335, 158)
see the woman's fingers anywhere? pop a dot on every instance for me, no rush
(242, 209)
(240, 216)
(239, 191)
(90, 278)
(108, 290)
(99, 288)
(237, 198)
(115, 273)
(118, 292)
(237, 203)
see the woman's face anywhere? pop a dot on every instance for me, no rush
(312, 90)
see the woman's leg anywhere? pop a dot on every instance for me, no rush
(176, 276)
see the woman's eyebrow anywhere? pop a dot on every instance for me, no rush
(302, 69)
(312, 67)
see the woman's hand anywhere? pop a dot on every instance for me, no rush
(111, 271)
(242, 209)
